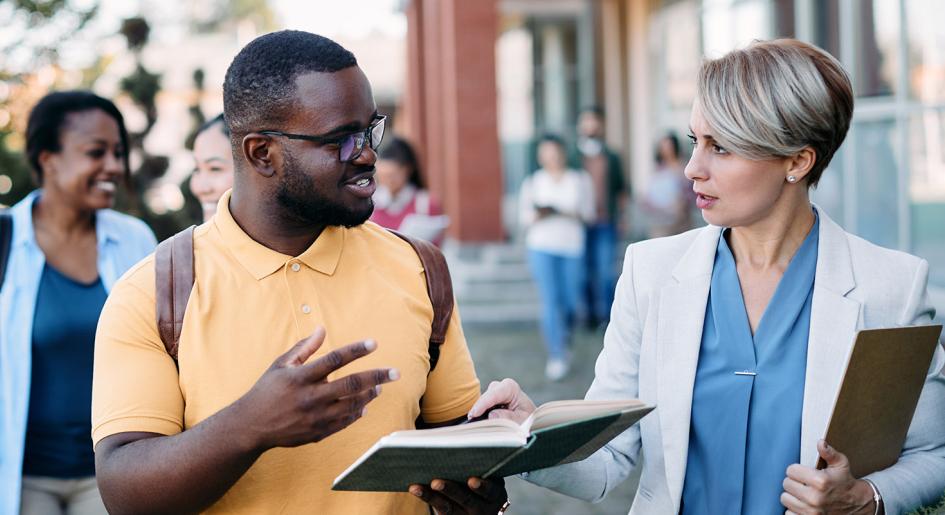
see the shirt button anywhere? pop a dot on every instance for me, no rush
(306, 309)
(296, 267)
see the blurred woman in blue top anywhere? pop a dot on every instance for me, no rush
(68, 248)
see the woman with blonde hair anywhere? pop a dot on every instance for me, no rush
(772, 289)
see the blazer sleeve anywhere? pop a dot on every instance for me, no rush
(918, 478)
(616, 376)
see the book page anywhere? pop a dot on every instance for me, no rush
(482, 433)
(558, 412)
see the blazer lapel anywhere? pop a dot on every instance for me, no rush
(833, 324)
(679, 336)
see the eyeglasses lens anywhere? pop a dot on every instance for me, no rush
(377, 133)
(349, 147)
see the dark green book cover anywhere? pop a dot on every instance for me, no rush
(395, 468)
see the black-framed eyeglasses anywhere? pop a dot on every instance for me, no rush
(350, 145)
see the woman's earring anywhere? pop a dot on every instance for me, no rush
(791, 179)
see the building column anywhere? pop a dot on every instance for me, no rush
(450, 109)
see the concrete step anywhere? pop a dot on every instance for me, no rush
(499, 313)
(493, 284)
(523, 291)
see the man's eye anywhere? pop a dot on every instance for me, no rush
(96, 154)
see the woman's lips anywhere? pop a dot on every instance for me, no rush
(705, 201)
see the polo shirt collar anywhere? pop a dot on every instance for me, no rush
(261, 261)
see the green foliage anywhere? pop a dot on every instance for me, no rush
(51, 23)
(136, 31)
(225, 13)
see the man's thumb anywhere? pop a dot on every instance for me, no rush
(301, 351)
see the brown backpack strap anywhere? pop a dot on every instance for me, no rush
(174, 279)
(439, 288)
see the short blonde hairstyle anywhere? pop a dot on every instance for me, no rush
(773, 98)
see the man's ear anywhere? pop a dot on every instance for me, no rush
(260, 153)
(800, 164)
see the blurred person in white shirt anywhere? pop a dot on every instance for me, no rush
(555, 204)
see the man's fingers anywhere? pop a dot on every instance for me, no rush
(367, 380)
(438, 501)
(301, 351)
(489, 489)
(456, 492)
(498, 393)
(321, 367)
(355, 403)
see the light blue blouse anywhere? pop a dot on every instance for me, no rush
(122, 242)
(749, 390)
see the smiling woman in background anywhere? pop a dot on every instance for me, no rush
(67, 250)
(213, 174)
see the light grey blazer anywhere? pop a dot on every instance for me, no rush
(652, 346)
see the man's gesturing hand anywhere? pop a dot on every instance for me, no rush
(293, 403)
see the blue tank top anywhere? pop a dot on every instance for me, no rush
(59, 424)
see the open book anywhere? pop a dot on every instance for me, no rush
(556, 433)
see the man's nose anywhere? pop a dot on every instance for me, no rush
(367, 158)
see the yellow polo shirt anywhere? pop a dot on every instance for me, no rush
(249, 305)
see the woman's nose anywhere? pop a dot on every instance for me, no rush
(114, 163)
(197, 184)
(695, 169)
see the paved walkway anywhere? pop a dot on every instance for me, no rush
(518, 352)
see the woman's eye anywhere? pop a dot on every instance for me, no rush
(96, 154)
(718, 150)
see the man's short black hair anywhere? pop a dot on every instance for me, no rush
(550, 137)
(595, 110)
(260, 82)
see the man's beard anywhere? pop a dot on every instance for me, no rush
(300, 197)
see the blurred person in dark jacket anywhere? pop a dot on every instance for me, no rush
(610, 193)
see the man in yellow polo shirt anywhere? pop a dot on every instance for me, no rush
(245, 421)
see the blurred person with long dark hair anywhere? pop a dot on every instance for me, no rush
(402, 201)
(213, 171)
(669, 193)
(68, 249)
